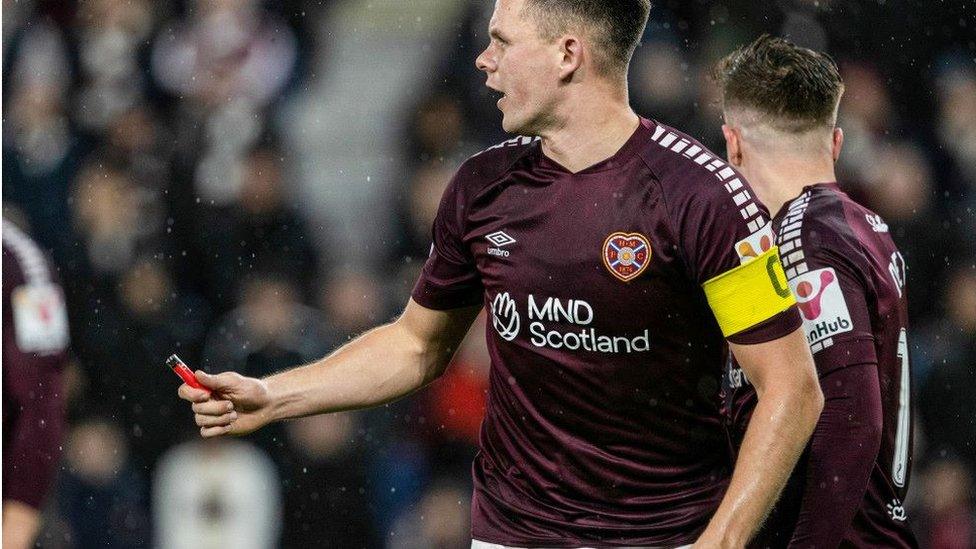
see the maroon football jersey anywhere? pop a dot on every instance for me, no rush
(602, 424)
(849, 279)
(35, 345)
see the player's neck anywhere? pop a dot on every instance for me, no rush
(778, 181)
(592, 130)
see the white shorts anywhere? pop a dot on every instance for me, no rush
(477, 544)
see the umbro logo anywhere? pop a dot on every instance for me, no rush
(500, 240)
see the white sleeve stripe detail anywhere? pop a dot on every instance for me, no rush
(680, 146)
(668, 139)
(31, 258)
(792, 226)
(799, 205)
(790, 236)
(513, 142)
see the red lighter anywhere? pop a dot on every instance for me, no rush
(184, 372)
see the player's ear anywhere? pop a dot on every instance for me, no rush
(733, 145)
(571, 56)
(837, 143)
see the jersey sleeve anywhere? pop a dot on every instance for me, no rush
(843, 450)
(450, 277)
(727, 241)
(833, 293)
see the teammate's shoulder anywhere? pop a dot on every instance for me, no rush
(837, 204)
(825, 209)
(495, 161)
(816, 224)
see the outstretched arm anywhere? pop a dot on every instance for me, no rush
(790, 402)
(382, 365)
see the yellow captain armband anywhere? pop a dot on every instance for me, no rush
(750, 293)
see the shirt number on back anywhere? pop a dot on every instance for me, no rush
(897, 269)
(899, 465)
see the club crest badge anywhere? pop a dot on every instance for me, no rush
(626, 255)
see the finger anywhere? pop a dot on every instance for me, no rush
(193, 395)
(215, 421)
(218, 382)
(213, 407)
(209, 432)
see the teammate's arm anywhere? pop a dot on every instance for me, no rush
(789, 403)
(846, 441)
(843, 452)
(382, 365)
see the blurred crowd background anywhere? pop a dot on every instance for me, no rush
(249, 184)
